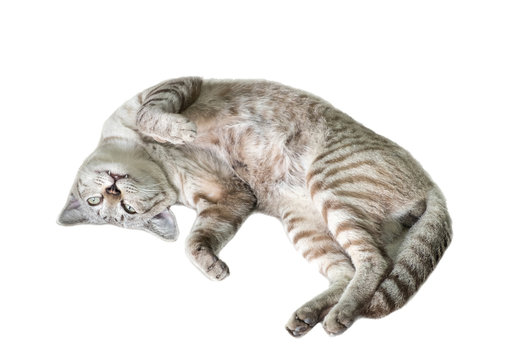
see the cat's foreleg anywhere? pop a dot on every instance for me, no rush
(215, 225)
(159, 114)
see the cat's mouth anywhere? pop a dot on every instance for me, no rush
(117, 176)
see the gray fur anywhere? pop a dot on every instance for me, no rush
(351, 201)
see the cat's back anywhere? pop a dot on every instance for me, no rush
(267, 103)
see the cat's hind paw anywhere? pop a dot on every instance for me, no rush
(303, 320)
(335, 322)
(298, 327)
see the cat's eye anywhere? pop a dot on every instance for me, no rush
(128, 208)
(93, 201)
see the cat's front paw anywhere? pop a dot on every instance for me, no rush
(179, 130)
(167, 127)
(209, 263)
(218, 270)
(182, 129)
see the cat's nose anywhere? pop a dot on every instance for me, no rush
(113, 190)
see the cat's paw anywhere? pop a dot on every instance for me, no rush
(209, 263)
(167, 127)
(336, 321)
(218, 270)
(179, 131)
(304, 319)
(300, 325)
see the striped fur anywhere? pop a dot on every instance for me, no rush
(352, 202)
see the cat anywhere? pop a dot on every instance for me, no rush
(351, 201)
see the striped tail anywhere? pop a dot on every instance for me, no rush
(421, 250)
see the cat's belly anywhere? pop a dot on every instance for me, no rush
(268, 159)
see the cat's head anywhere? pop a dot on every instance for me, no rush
(121, 185)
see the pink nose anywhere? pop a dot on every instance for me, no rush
(113, 190)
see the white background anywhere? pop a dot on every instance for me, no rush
(434, 77)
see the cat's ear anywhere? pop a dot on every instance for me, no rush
(163, 225)
(72, 214)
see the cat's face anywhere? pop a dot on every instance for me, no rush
(124, 187)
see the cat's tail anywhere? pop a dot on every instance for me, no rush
(422, 248)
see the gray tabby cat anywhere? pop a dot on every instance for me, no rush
(351, 201)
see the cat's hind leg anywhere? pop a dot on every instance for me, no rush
(357, 231)
(311, 238)
(355, 183)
